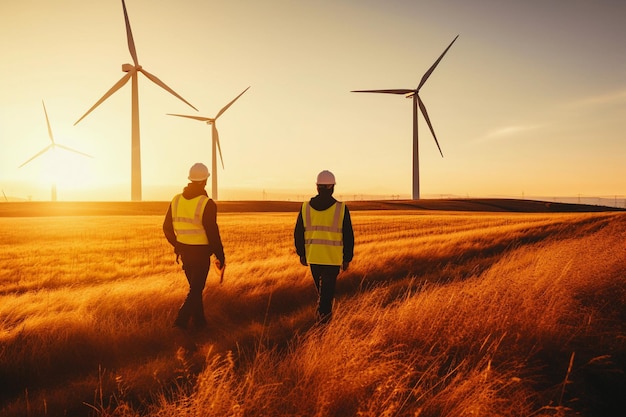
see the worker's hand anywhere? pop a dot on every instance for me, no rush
(344, 266)
(303, 260)
(219, 264)
(177, 252)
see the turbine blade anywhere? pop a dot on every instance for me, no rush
(229, 104)
(216, 138)
(67, 148)
(392, 91)
(108, 94)
(202, 119)
(425, 113)
(161, 84)
(129, 36)
(48, 122)
(41, 152)
(432, 68)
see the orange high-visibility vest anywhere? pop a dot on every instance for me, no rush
(323, 234)
(187, 219)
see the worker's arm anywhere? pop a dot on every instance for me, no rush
(348, 237)
(168, 227)
(209, 221)
(298, 236)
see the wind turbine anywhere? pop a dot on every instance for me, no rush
(215, 142)
(417, 103)
(53, 145)
(131, 71)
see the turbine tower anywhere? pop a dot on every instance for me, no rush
(417, 103)
(215, 141)
(53, 145)
(132, 71)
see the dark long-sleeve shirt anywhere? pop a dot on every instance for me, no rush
(209, 222)
(320, 203)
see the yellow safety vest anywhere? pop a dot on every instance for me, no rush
(323, 234)
(187, 219)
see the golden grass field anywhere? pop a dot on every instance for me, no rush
(442, 313)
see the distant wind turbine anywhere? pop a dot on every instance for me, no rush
(417, 102)
(5, 196)
(53, 145)
(131, 73)
(215, 142)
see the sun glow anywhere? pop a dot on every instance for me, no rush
(61, 169)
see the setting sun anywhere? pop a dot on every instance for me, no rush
(68, 171)
(57, 164)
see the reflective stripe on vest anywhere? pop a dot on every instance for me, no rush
(323, 234)
(187, 219)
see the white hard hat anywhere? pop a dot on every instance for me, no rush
(325, 178)
(198, 172)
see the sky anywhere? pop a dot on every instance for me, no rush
(529, 101)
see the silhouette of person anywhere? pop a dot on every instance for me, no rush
(190, 226)
(324, 240)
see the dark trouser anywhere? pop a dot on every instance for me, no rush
(325, 277)
(192, 309)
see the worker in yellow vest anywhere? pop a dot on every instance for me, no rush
(324, 240)
(190, 226)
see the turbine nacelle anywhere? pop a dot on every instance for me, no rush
(130, 68)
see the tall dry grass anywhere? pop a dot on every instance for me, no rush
(447, 314)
